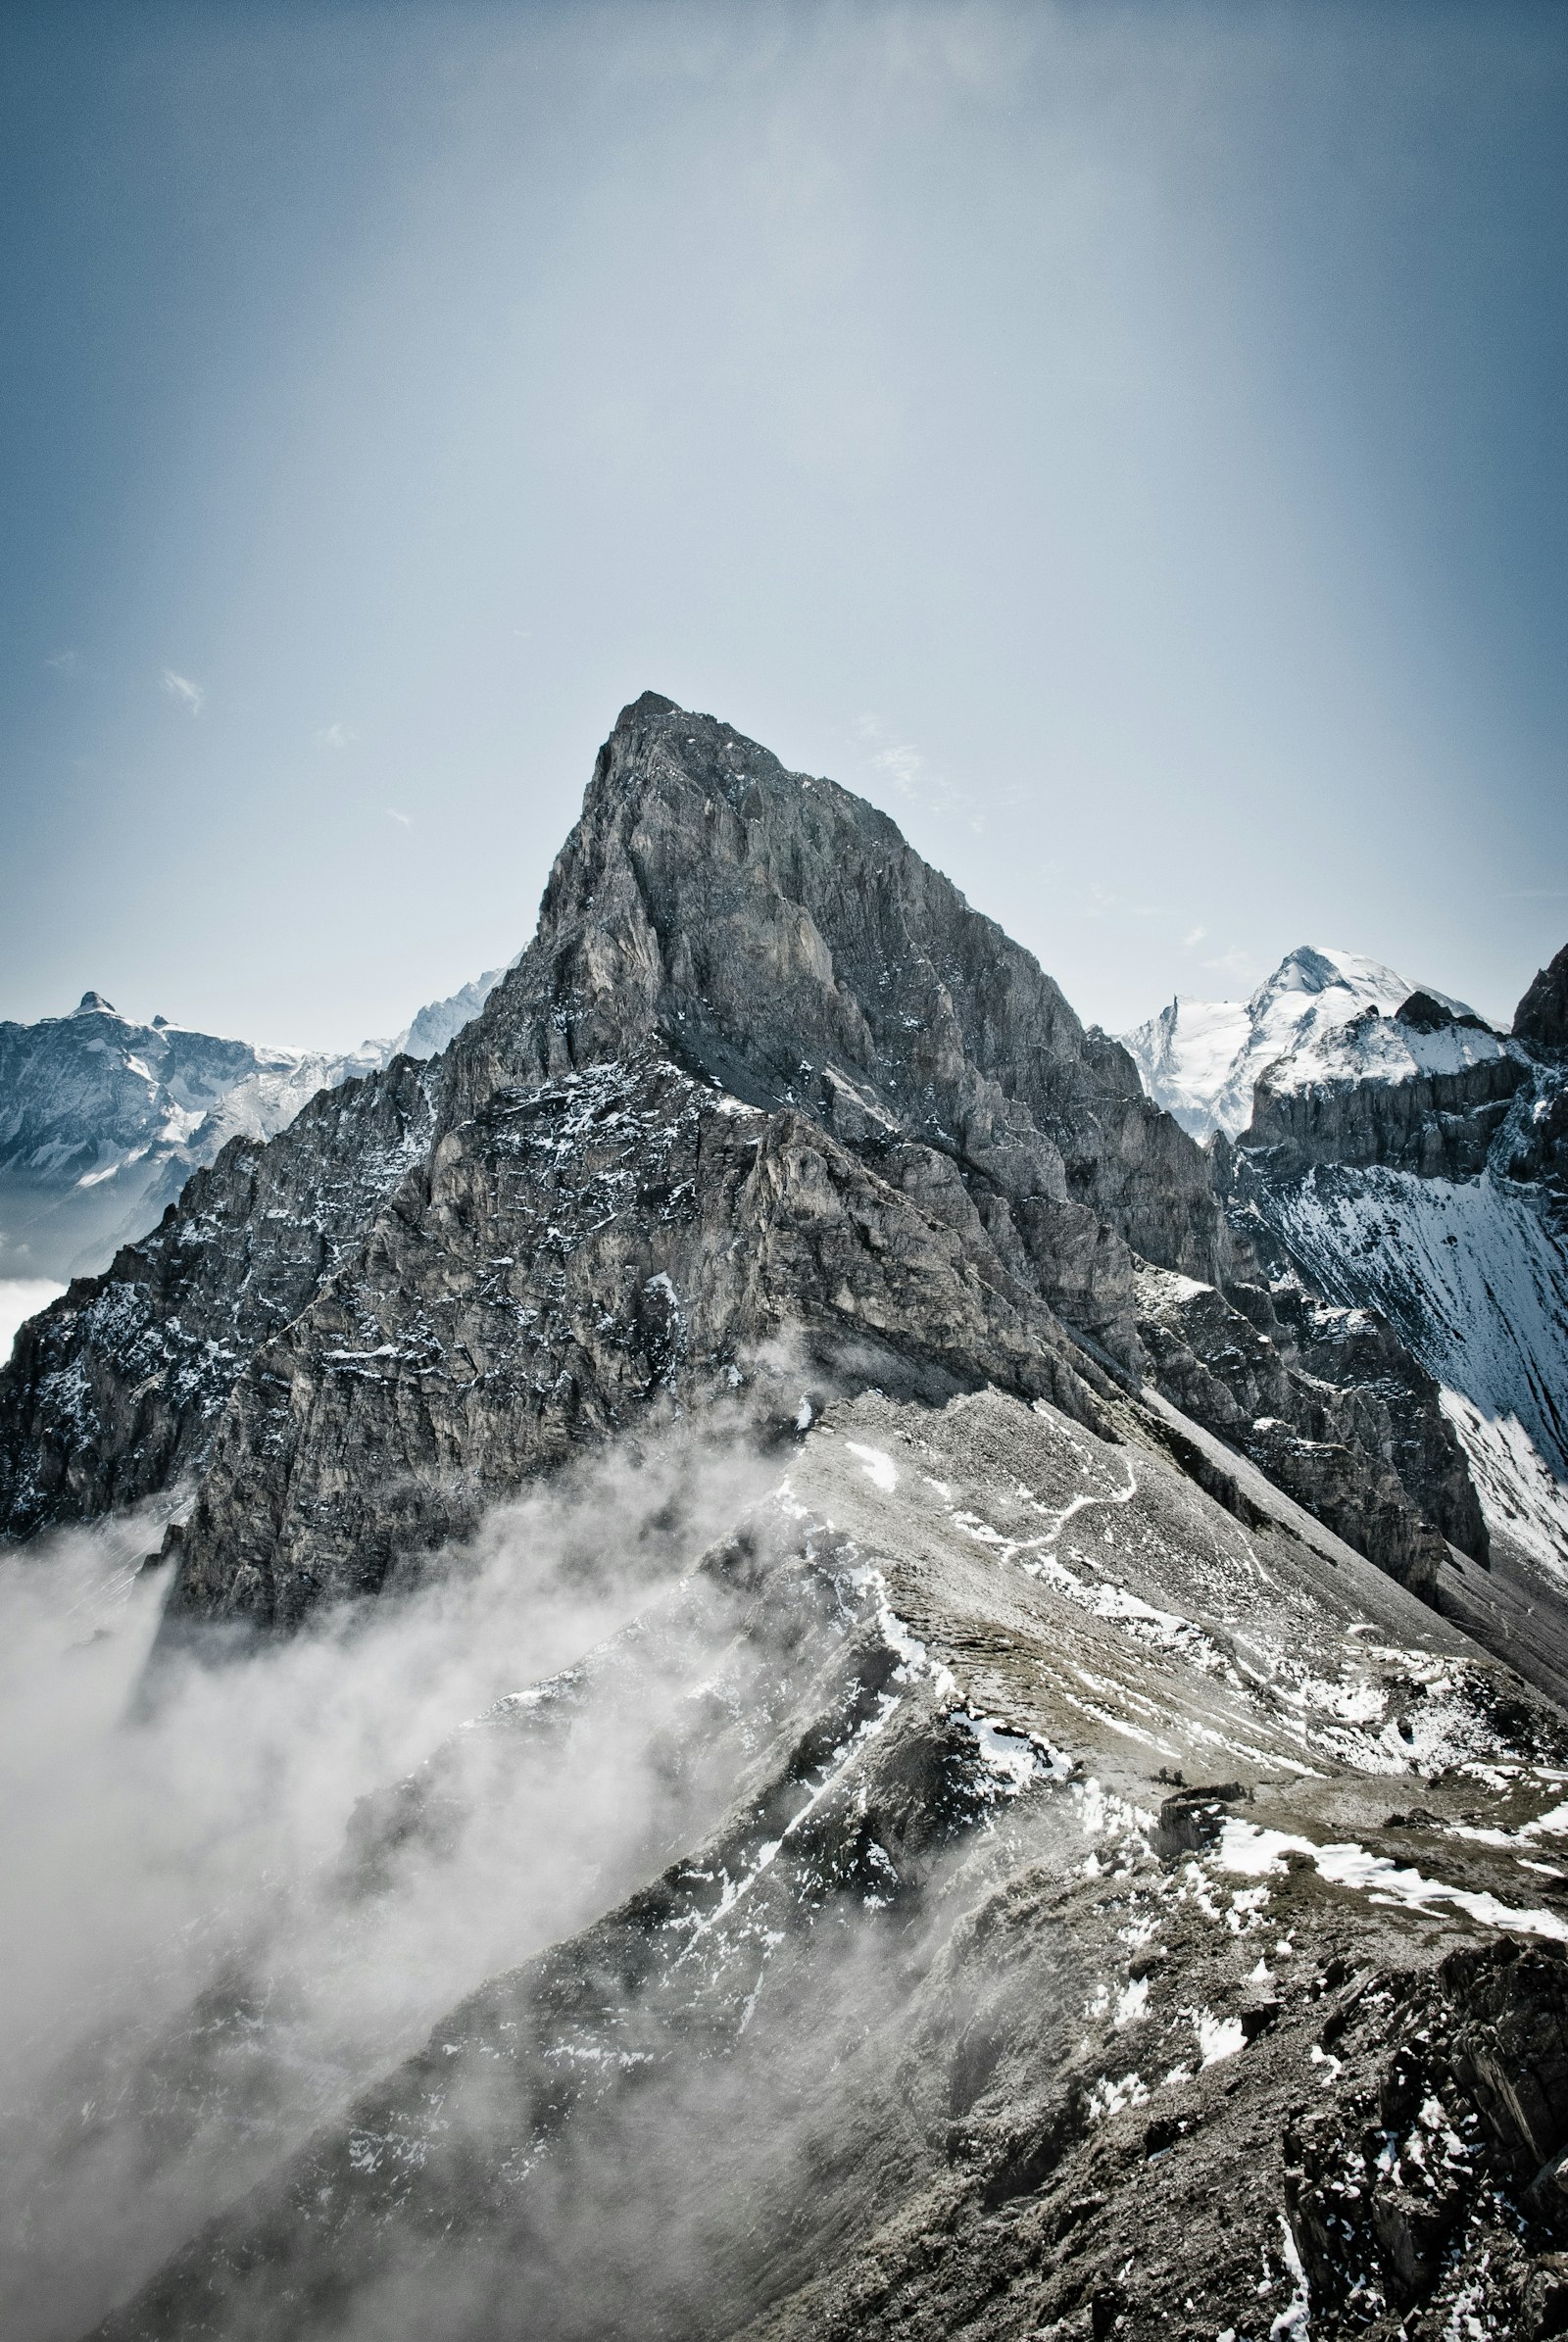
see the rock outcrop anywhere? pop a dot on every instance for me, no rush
(114, 1391)
(1541, 1019)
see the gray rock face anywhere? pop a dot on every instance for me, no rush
(1438, 1125)
(114, 1392)
(780, 937)
(1542, 1016)
(571, 1263)
(1341, 1417)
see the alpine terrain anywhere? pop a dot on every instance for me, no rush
(102, 1120)
(787, 1649)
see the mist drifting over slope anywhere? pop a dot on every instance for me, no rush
(190, 1848)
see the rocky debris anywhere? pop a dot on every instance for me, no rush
(1416, 2183)
(1193, 1819)
(1542, 1016)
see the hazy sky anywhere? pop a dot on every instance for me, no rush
(1128, 442)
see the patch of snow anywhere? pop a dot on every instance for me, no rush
(1015, 1760)
(876, 1464)
(1295, 2319)
(1132, 2003)
(1218, 2037)
(1245, 1847)
(1109, 2097)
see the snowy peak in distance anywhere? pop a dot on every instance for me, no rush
(1322, 1015)
(103, 1119)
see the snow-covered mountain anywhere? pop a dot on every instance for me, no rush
(103, 1119)
(1329, 1013)
(1395, 1154)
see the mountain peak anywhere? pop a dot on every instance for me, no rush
(647, 703)
(1200, 1060)
(93, 1004)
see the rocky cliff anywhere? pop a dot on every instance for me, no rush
(1541, 1019)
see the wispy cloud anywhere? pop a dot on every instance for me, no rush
(64, 662)
(904, 764)
(393, 815)
(335, 735)
(182, 691)
(1193, 936)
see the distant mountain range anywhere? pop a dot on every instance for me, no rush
(102, 1119)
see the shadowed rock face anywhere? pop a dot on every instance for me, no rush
(764, 1084)
(1542, 1016)
(1436, 1125)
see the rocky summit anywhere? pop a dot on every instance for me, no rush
(1021, 1766)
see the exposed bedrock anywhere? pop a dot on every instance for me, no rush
(114, 1392)
(1541, 1019)
(1438, 1125)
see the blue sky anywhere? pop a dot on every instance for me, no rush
(1126, 441)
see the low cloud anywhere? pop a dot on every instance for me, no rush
(214, 1854)
(335, 735)
(407, 819)
(182, 691)
(1194, 937)
(64, 662)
